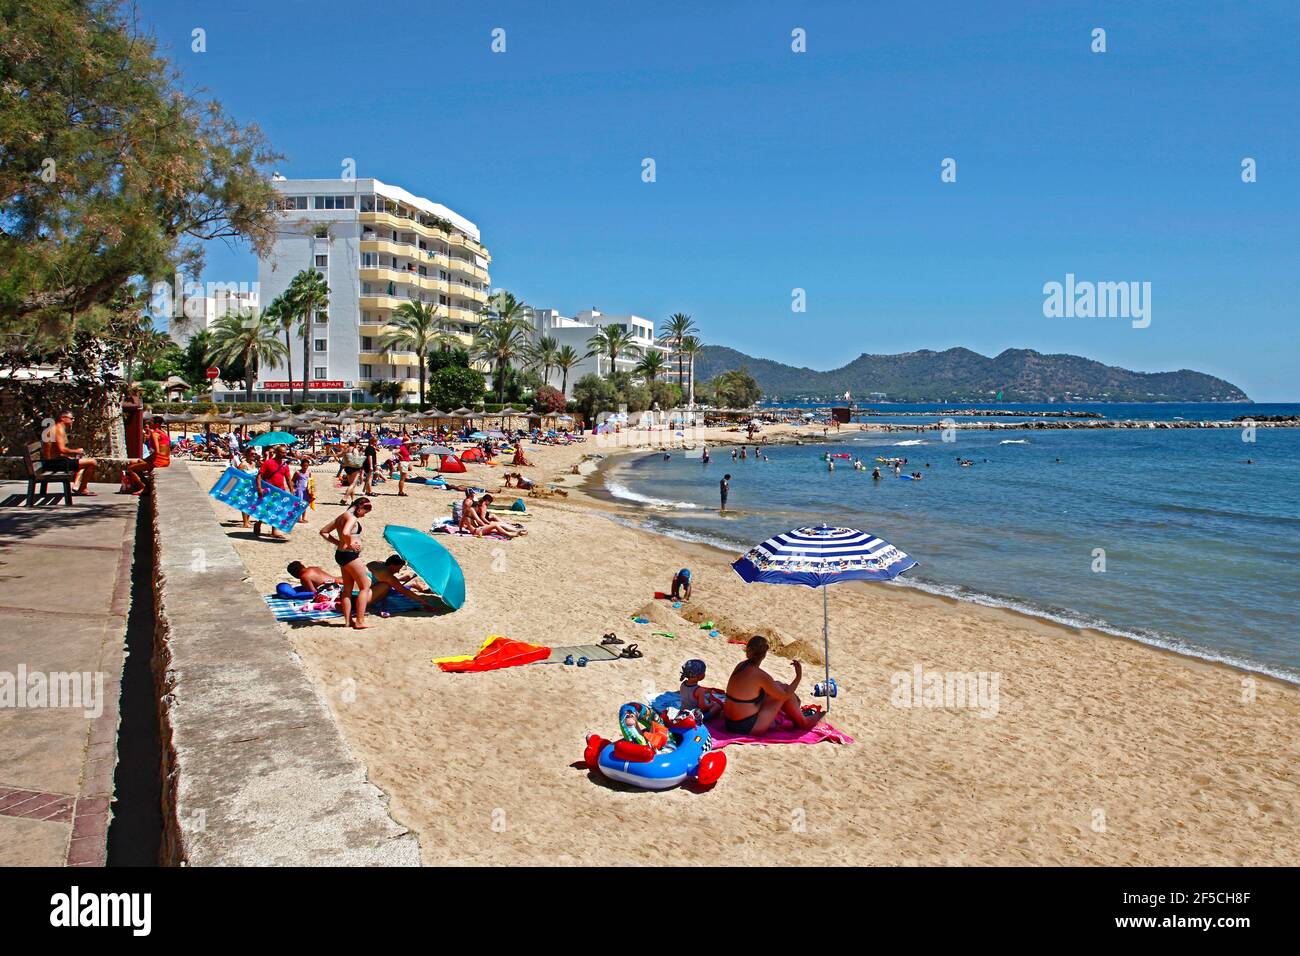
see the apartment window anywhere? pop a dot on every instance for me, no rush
(369, 260)
(322, 262)
(319, 345)
(293, 202)
(367, 344)
(365, 372)
(319, 372)
(334, 202)
(367, 203)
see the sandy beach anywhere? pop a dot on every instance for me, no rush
(1099, 751)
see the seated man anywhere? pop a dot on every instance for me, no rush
(160, 456)
(754, 698)
(58, 456)
(387, 580)
(312, 576)
(681, 589)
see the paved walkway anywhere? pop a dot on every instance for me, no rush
(65, 575)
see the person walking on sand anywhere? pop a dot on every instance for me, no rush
(754, 698)
(724, 488)
(274, 472)
(344, 532)
(403, 465)
(58, 456)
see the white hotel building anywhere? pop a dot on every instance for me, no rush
(377, 246)
(577, 330)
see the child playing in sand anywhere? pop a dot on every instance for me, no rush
(708, 700)
(681, 589)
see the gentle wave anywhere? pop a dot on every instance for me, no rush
(1014, 441)
(1075, 619)
(622, 491)
(1055, 615)
(912, 441)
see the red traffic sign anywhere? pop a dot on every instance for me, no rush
(213, 372)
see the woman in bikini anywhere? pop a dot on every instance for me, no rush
(754, 698)
(344, 532)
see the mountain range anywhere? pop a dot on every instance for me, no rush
(960, 375)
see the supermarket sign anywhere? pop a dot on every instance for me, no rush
(316, 384)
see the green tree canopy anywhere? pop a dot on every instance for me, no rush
(110, 173)
(454, 386)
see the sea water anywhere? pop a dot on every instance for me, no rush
(1167, 536)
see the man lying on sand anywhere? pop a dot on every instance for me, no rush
(312, 576)
(754, 698)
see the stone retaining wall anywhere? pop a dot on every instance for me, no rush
(255, 772)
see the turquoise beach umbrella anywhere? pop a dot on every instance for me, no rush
(272, 438)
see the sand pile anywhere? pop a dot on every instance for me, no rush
(663, 617)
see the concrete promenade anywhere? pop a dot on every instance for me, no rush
(66, 574)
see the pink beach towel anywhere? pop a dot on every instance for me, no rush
(784, 733)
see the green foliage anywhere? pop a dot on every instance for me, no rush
(593, 395)
(387, 390)
(454, 386)
(111, 174)
(666, 394)
(735, 389)
(448, 358)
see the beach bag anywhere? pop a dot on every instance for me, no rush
(518, 505)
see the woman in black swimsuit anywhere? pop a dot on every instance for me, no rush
(344, 532)
(754, 698)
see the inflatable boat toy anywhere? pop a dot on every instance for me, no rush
(657, 753)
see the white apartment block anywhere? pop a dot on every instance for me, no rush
(576, 330)
(378, 246)
(198, 313)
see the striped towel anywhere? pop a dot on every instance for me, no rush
(292, 609)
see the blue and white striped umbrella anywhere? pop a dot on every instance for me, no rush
(818, 557)
(823, 555)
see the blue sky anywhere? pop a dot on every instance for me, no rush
(820, 170)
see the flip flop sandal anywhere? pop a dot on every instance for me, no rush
(582, 662)
(631, 651)
(611, 639)
(569, 660)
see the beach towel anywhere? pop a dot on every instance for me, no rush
(497, 652)
(592, 652)
(452, 526)
(783, 731)
(294, 610)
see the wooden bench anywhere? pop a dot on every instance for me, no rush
(37, 474)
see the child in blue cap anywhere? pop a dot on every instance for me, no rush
(682, 585)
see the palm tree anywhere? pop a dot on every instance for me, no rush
(690, 348)
(387, 390)
(542, 356)
(651, 364)
(308, 294)
(678, 326)
(500, 341)
(416, 327)
(611, 341)
(251, 340)
(565, 359)
(280, 313)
